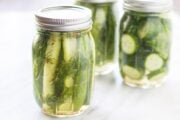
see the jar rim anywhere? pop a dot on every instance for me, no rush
(149, 6)
(64, 18)
(98, 1)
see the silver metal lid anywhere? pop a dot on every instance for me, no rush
(155, 6)
(98, 1)
(64, 18)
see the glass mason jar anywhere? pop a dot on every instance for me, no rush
(103, 31)
(63, 60)
(145, 40)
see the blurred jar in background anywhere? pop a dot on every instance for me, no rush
(103, 31)
(145, 41)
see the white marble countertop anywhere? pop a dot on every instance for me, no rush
(111, 101)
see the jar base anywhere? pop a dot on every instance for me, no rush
(104, 70)
(67, 115)
(145, 83)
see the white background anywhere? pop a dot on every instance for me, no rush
(111, 101)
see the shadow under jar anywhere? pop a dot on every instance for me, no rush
(63, 60)
(103, 31)
(145, 40)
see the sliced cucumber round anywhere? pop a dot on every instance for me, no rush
(149, 28)
(128, 44)
(157, 75)
(69, 82)
(67, 105)
(132, 72)
(153, 62)
(163, 44)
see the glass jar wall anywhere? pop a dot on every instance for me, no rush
(103, 31)
(63, 62)
(145, 40)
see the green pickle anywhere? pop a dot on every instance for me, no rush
(144, 48)
(63, 71)
(103, 31)
(63, 63)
